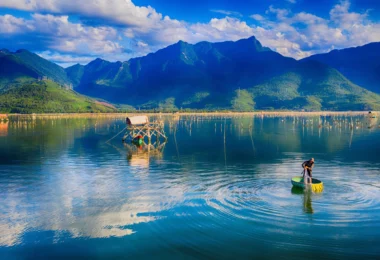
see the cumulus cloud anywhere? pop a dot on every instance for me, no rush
(119, 30)
(137, 23)
(11, 25)
(122, 12)
(57, 33)
(220, 29)
(303, 34)
(169, 31)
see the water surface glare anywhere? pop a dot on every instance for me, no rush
(219, 188)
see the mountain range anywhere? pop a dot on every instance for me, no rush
(240, 76)
(360, 64)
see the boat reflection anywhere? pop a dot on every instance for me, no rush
(306, 198)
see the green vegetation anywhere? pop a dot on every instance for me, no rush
(23, 65)
(196, 98)
(313, 104)
(167, 105)
(242, 101)
(48, 97)
(13, 70)
(43, 67)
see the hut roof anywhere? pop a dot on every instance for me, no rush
(137, 120)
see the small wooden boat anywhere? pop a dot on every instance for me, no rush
(316, 185)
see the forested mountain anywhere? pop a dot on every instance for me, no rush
(23, 65)
(180, 72)
(241, 75)
(361, 65)
(313, 86)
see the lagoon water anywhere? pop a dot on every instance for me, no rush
(219, 188)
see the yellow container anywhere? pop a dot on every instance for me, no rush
(316, 185)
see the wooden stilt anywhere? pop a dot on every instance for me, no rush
(147, 130)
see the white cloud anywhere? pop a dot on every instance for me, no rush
(140, 24)
(11, 25)
(122, 12)
(308, 34)
(142, 44)
(229, 28)
(62, 35)
(64, 59)
(171, 31)
(143, 29)
(257, 17)
(227, 12)
(345, 19)
(280, 13)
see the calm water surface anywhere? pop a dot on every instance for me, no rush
(219, 188)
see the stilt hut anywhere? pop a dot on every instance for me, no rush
(141, 127)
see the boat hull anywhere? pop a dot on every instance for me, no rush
(316, 185)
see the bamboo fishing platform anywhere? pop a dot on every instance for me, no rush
(139, 126)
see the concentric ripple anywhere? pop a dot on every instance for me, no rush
(269, 199)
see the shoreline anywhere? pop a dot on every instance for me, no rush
(260, 113)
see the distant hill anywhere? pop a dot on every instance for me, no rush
(48, 97)
(313, 86)
(361, 64)
(23, 65)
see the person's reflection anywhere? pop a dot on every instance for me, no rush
(140, 154)
(306, 198)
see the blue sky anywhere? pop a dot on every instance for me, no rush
(74, 31)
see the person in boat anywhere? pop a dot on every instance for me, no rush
(308, 168)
